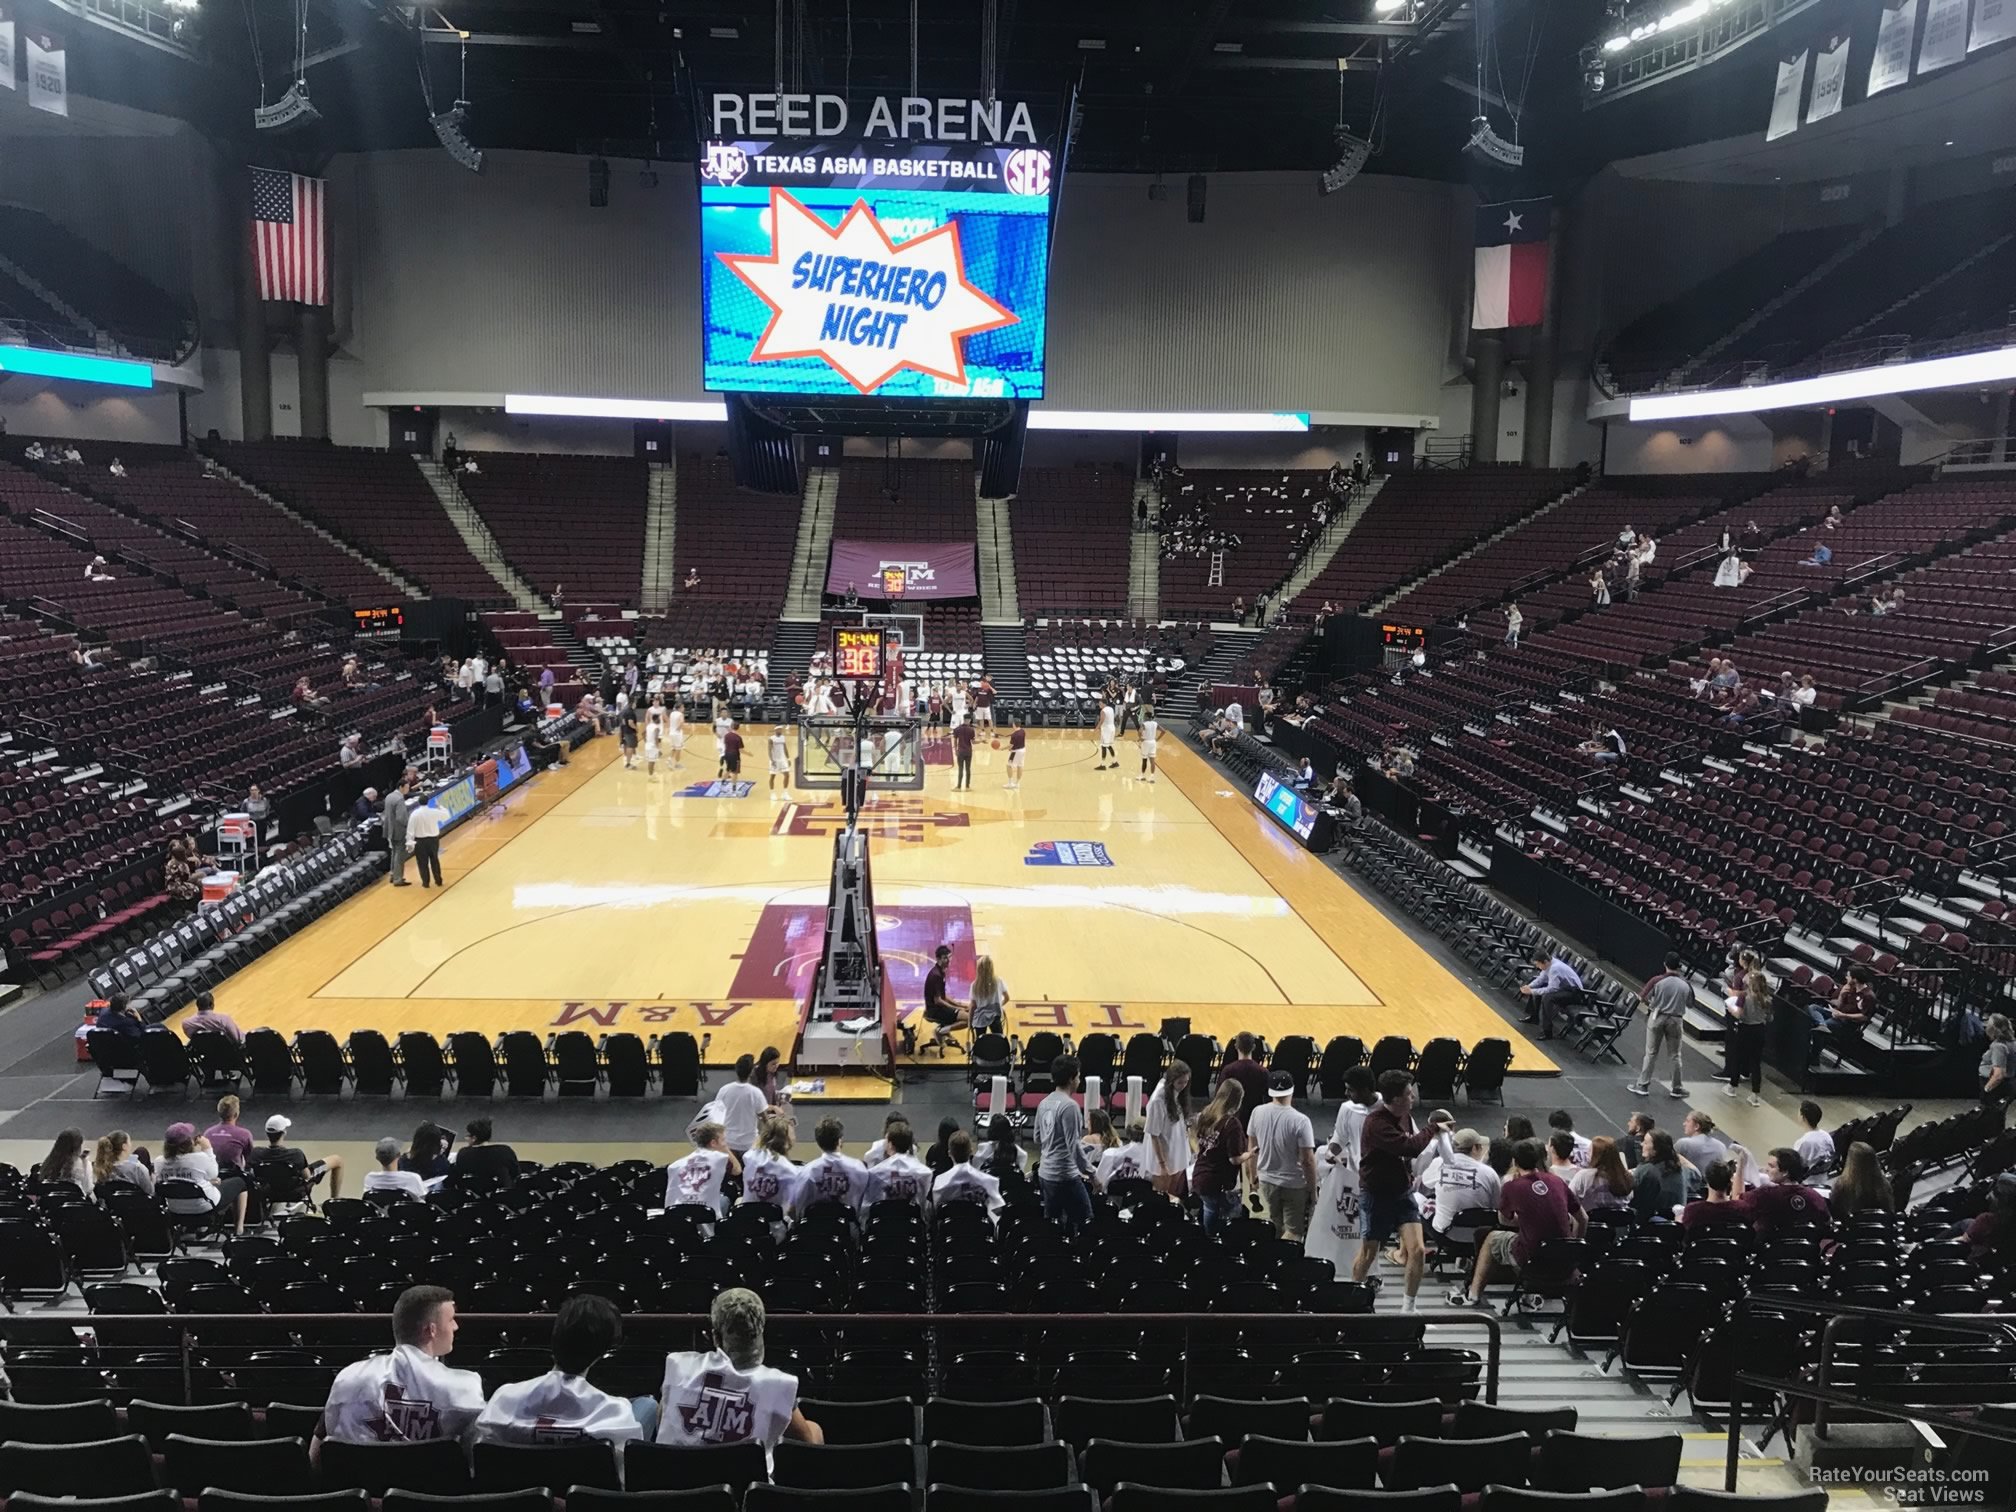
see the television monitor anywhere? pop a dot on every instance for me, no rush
(904, 269)
(1293, 812)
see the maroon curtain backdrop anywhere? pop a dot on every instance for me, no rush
(897, 570)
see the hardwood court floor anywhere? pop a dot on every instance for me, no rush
(603, 898)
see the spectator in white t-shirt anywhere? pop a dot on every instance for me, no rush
(742, 1104)
(899, 1176)
(389, 1178)
(560, 1406)
(769, 1174)
(1816, 1145)
(1461, 1181)
(407, 1395)
(964, 1182)
(1124, 1162)
(1561, 1121)
(697, 1178)
(832, 1176)
(728, 1395)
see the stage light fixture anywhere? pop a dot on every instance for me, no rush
(448, 127)
(291, 109)
(1352, 151)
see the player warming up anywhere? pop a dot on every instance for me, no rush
(1108, 731)
(1018, 747)
(1150, 730)
(780, 761)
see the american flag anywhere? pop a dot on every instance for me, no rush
(288, 231)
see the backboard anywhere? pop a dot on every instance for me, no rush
(890, 749)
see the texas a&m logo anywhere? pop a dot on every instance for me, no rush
(721, 1414)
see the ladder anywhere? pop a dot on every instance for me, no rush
(1217, 578)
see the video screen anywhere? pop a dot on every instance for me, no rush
(905, 269)
(1286, 805)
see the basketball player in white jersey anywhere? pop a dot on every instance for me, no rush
(1150, 732)
(780, 761)
(1108, 731)
(728, 1395)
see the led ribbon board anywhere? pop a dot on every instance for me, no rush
(77, 367)
(911, 269)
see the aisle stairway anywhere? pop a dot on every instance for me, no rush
(1535, 1375)
(1144, 575)
(1005, 657)
(1333, 536)
(660, 535)
(405, 587)
(791, 651)
(587, 665)
(1497, 535)
(476, 535)
(1228, 660)
(994, 562)
(815, 542)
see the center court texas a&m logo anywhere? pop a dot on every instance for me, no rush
(721, 1415)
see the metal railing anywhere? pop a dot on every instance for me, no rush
(1998, 1330)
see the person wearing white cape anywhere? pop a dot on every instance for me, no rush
(1333, 1225)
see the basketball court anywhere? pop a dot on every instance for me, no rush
(603, 899)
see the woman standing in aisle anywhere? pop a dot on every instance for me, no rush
(1749, 1023)
(1169, 1131)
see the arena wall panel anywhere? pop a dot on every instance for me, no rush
(1281, 300)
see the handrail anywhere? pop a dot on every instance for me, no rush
(1973, 1324)
(185, 1327)
(1777, 603)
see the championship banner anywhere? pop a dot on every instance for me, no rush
(1830, 78)
(1945, 40)
(48, 85)
(1891, 64)
(903, 569)
(7, 49)
(1785, 96)
(1994, 21)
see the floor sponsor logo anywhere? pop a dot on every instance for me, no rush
(716, 789)
(1067, 853)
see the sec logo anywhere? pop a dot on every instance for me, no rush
(1027, 171)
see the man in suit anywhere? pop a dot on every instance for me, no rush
(395, 828)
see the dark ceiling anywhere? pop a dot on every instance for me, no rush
(1170, 86)
(1166, 86)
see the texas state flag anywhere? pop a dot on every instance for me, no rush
(1511, 265)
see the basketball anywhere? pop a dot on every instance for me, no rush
(994, 744)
